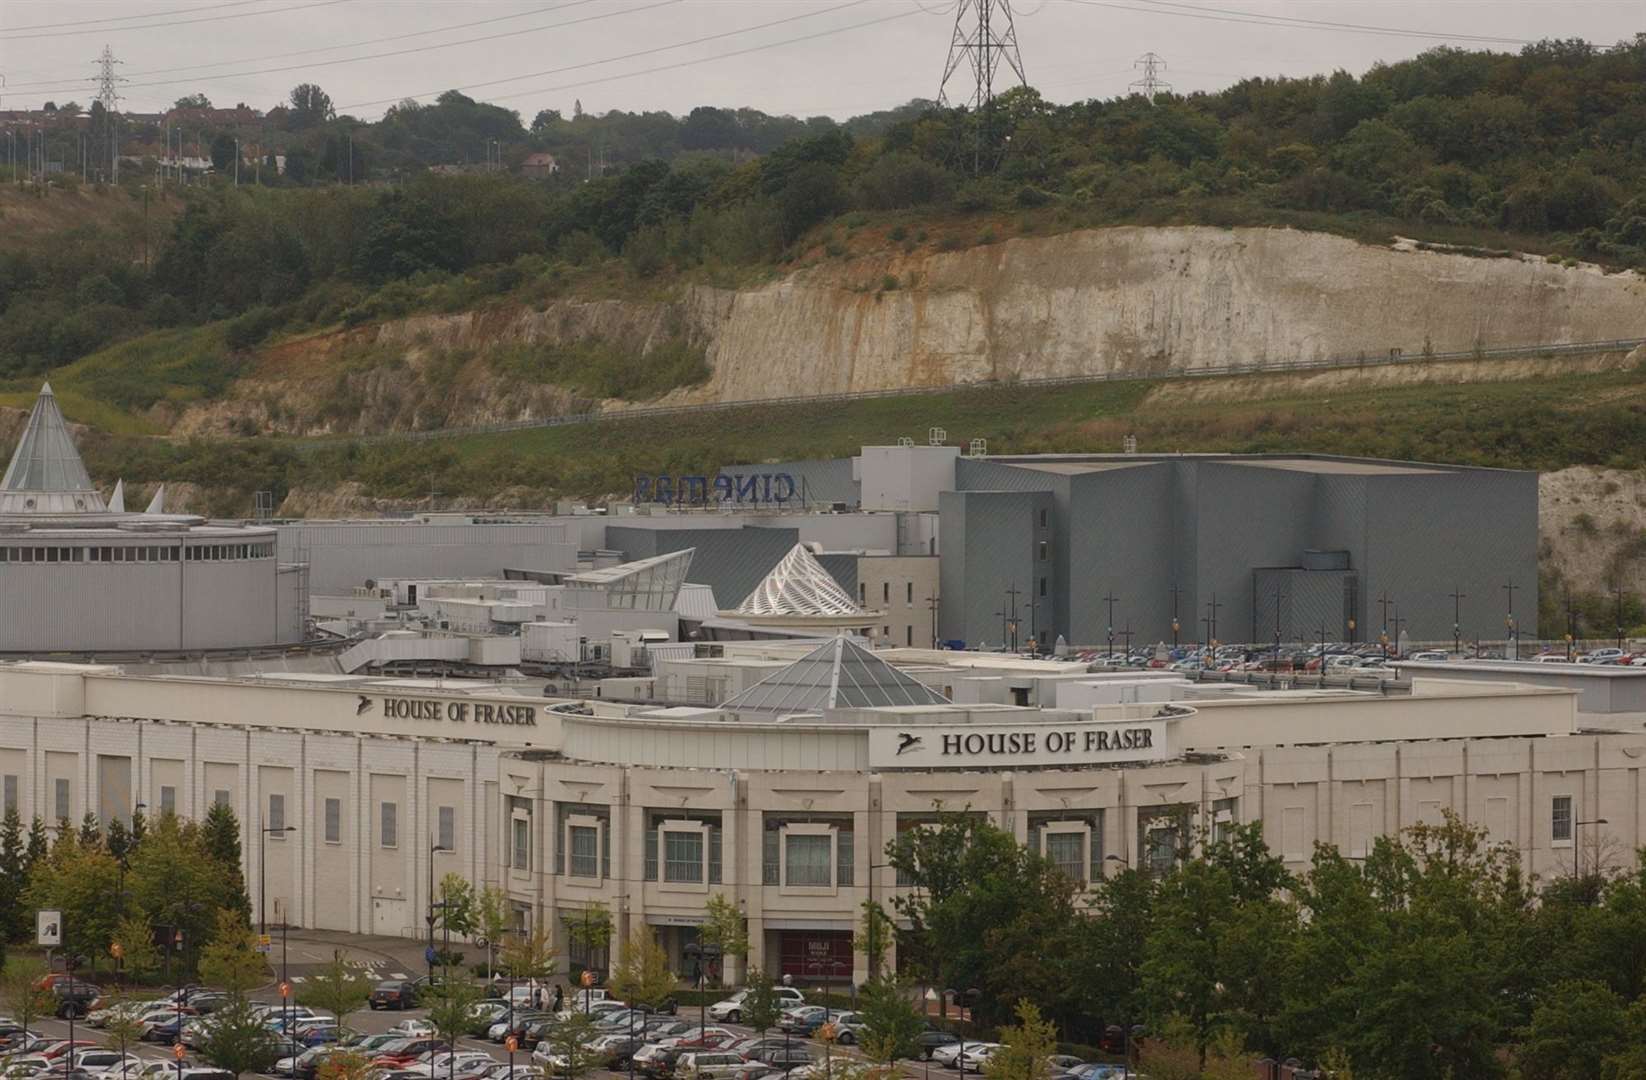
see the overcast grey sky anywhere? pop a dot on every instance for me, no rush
(839, 57)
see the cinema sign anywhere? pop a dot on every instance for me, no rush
(751, 489)
(1005, 746)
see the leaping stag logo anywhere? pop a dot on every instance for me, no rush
(364, 707)
(907, 742)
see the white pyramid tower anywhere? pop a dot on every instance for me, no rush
(46, 475)
(798, 585)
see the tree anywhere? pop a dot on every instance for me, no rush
(138, 955)
(642, 975)
(762, 1008)
(139, 828)
(118, 840)
(336, 988)
(1110, 948)
(457, 911)
(570, 1052)
(220, 832)
(224, 149)
(346, 1065)
(123, 1030)
(84, 883)
(528, 956)
(890, 1022)
(310, 106)
(13, 877)
(875, 933)
(724, 926)
(1025, 1049)
(231, 960)
(91, 830)
(21, 993)
(1578, 1024)
(591, 930)
(451, 1009)
(237, 1039)
(491, 915)
(176, 881)
(193, 101)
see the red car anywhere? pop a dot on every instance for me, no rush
(406, 1051)
(57, 1050)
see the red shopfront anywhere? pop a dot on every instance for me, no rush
(815, 956)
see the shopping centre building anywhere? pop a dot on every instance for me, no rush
(784, 795)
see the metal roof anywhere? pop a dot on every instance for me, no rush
(839, 674)
(46, 473)
(798, 585)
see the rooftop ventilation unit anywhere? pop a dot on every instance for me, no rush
(904, 440)
(978, 448)
(936, 436)
(1128, 445)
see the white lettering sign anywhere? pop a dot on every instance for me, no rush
(971, 746)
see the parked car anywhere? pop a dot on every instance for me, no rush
(485, 1014)
(394, 994)
(71, 997)
(783, 1057)
(977, 1055)
(948, 1055)
(730, 1010)
(804, 1020)
(709, 1065)
(412, 1028)
(934, 1039)
(1429, 656)
(848, 1028)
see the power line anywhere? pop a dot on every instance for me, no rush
(644, 52)
(1334, 25)
(323, 49)
(1253, 19)
(209, 79)
(175, 22)
(145, 15)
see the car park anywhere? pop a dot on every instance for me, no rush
(709, 1065)
(730, 1010)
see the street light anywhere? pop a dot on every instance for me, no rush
(263, 921)
(428, 953)
(966, 999)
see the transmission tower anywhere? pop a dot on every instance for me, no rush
(108, 94)
(1151, 83)
(984, 35)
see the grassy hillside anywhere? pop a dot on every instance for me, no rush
(1541, 422)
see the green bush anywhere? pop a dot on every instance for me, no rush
(246, 330)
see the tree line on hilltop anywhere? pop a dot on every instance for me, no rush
(1545, 148)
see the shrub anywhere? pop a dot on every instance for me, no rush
(251, 327)
(900, 180)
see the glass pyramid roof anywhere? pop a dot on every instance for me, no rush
(840, 674)
(46, 473)
(798, 585)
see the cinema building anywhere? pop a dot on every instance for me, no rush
(784, 795)
(79, 573)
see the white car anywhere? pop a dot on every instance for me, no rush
(731, 1009)
(412, 1029)
(977, 1055)
(948, 1055)
(709, 1064)
(441, 1064)
(1429, 656)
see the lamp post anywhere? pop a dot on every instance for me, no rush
(1111, 600)
(1458, 596)
(966, 999)
(1176, 591)
(1514, 635)
(873, 915)
(428, 952)
(263, 914)
(788, 980)
(1617, 597)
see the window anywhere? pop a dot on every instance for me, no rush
(446, 828)
(388, 833)
(8, 794)
(1044, 549)
(683, 856)
(908, 635)
(1044, 514)
(277, 816)
(585, 848)
(220, 797)
(334, 821)
(60, 796)
(843, 860)
(522, 844)
(1042, 586)
(862, 592)
(807, 860)
(1067, 852)
(168, 799)
(1561, 820)
(885, 592)
(908, 592)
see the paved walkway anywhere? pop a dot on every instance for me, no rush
(307, 951)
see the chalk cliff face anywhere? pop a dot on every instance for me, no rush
(1144, 300)
(1132, 300)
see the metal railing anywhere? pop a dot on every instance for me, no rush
(1393, 357)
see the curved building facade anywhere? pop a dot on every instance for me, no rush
(79, 574)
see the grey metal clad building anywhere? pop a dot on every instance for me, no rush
(344, 554)
(1323, 539)
(732, 560)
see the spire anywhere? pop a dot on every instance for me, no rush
(117, 501)
(798, 585)
(46, 474)
(157, 505)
